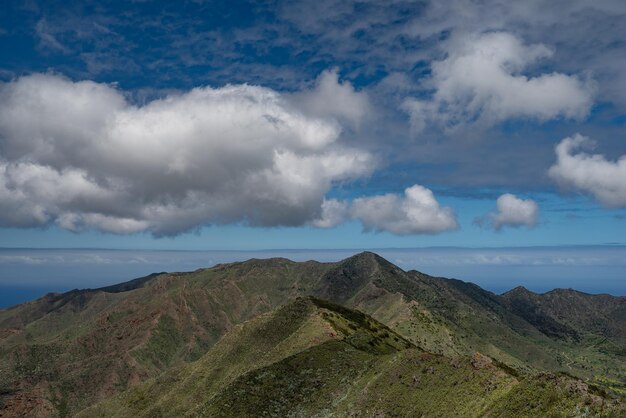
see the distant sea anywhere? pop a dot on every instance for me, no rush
(26, 274)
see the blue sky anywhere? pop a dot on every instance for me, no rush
(248, 125)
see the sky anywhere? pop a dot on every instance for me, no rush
(327, 124)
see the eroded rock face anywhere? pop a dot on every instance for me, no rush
(31, 403)
(577, 387)
(480, 361)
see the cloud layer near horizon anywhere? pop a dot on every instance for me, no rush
(78, 154)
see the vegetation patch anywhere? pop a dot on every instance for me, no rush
(163, 345)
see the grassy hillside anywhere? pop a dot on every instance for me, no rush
(87, 345)
(452, 317)
(314, 358)
(64, 352)
(265, 340)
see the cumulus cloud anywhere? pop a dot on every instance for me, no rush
(590, 173)
(334, 212)
(417, 212)
(80, 155)
(512, 211)
(481, 81)
(332, 98)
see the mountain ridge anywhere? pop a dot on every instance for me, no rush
(150, 324)
(347, 375)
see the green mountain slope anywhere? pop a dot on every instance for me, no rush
(82, 346)
(314, 358)
(267, 339)
(452, 317)
(567, 312)
(592, 326)
(67, 351)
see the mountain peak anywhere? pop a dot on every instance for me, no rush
(349, 276)
(519, 291)
(369, 259)
(352, 274)
(365, 253)
(362, 257)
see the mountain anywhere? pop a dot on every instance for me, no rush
(311, 357)
(567, 312)
(64, 352)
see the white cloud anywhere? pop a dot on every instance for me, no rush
(417, 212)
(513, 211)
(331, 98)
(590, 173)
(481, 81)
(334, 212)
(80, 155)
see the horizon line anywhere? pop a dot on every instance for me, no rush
(563, 246)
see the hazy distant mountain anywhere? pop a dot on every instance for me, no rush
(231, 339)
